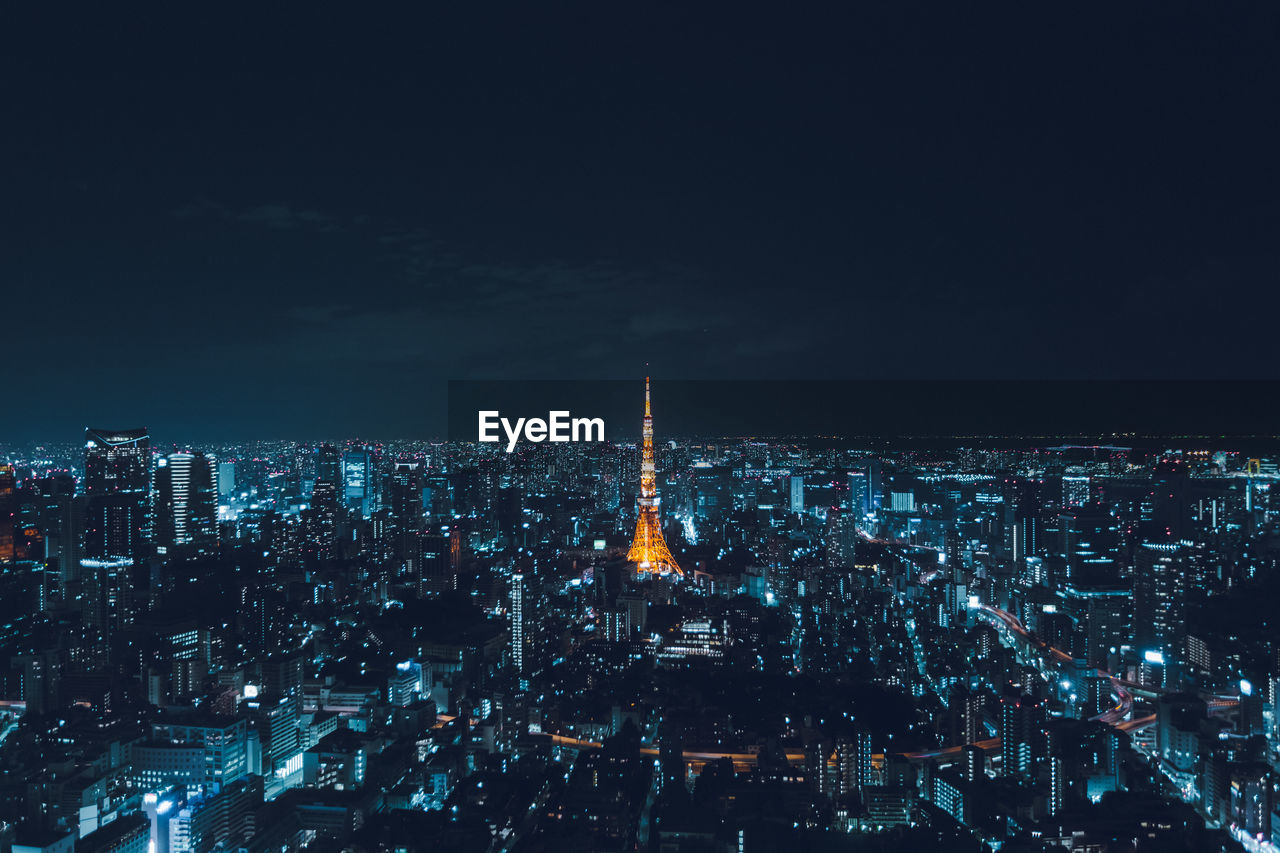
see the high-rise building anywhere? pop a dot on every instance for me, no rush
(405, 493)
(1057, 785)
(840, 537)
(975, 760)
(405, 488)
(358, 488)
(116, 461)
(1088, 542)
(1252, 718)
(1251, 799)
(1104, 613)
(1075, 489)
(8, 514)
(117, 483)
(226, 478)
(1022, 517)
(186, 504)
(517, 622)
(967, 704)
(859, 494)
(277, 728)
(1018, 718)
(322, 516)
(177, 658)
(108, 601)
(797, 494)
(649, 548)
(328, 466)
(1160, 579)
(854, 766)
(60, 518)
(875, 483)
(1178, 720)
(439, 571)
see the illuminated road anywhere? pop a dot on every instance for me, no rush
(1139, 723)
(896, 543)
(1121, 689)
(14, 709)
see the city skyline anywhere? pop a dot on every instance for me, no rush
(1147, 413)
(331, 519)
(1092, 596)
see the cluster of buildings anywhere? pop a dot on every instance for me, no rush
(730, 645)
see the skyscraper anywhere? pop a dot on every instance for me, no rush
(859, 494)
(328, 466)
(968, 706)
(323, 515)
(797, 494)
(1088, 542)
(357, 480)
(8, 513)
(1160, 580)
(186, 504)
(517, 622)
(875, 483)
(116, 461)
(1018, 715)
(649, 549)
(62, 523)
(841, 534)
(406, 515)
(226, 478)
(108, 600)
(117, 482)
(439, 568)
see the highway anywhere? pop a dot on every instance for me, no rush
(1112, 716)
(13, 709)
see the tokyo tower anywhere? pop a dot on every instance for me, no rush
(649, 550)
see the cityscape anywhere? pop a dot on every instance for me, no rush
(670, 645)
(640, 428)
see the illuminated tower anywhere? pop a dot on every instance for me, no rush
(649, 550)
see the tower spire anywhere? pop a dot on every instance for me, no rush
(649, 549)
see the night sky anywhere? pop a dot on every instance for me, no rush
(243, 226)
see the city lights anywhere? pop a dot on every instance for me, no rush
(331, 517)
